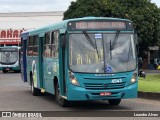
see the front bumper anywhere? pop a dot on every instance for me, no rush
(10, 68)
(75, 93)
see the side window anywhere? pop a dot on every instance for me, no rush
(30, 42)
(54, 43)
(35, 45)
(47, 45)
(30, 46)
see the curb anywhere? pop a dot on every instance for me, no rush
(149, 95)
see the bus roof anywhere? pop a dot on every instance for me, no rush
(63, 25)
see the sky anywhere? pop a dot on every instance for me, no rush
(33, 5)
(39, 5)
(157, 2)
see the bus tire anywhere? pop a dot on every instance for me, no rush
(114, 101)
(61, 101)
(35, 91)
(4, 71)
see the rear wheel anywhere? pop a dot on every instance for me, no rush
(35, 91)
(61, 101)
(114, 101)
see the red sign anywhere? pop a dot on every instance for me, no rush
(10, 41)
(10, 36)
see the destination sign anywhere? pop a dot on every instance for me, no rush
(99, 25)
(8, 49)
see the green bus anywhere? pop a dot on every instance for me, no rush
(10, 58)
(91, 58)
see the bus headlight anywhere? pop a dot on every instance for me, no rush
(134, 77)
(73, 79)
(133, 80)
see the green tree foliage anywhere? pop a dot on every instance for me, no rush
(82, 8)
(144, 14)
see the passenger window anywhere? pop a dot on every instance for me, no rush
(54, 44)
(47, 45)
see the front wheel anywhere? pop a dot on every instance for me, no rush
(114, 101)
(4, 71)
(61, 101)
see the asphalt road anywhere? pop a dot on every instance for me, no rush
(16, 96)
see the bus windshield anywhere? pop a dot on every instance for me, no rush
(102, 52)
(8, 56)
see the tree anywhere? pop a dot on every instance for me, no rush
(144, 14)
(82, 8)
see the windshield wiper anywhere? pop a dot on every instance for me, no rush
(89, 40)
(115, 40)
(94, 45)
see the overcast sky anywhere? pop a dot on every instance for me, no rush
(39, 5)
(34, 5)
(157, 2)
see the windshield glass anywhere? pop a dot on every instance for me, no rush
(8, 57)
(102, 53)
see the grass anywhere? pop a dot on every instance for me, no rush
(149, 84)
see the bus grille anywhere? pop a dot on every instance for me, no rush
(7, 63)
(102, 86)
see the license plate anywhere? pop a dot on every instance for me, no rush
(105, 93)
(7, 68)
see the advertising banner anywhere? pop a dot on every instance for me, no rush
(10, 36)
